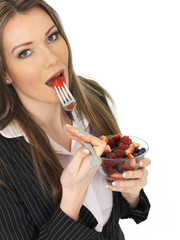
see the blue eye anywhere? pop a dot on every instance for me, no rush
(52, 37)
(24, 53)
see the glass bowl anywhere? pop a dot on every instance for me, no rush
(115, 162)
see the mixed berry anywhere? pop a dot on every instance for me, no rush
(119, 155)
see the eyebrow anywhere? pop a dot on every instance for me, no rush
(28, 43)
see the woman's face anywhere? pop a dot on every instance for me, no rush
(34, 52)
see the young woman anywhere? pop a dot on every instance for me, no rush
(49, 189)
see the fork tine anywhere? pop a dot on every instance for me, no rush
(62, 102)
(66, 94)
(69, 92)
(63, 95)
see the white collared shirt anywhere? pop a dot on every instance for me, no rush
(98, 199)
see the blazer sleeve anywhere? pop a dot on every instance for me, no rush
(17, 224)
(138, 214)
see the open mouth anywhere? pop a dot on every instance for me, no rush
(50, 81)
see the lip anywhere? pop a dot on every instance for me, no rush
(53, 76)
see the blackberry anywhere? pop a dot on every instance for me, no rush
(120, 170)
(117, 143)
(141, 151)
(136, 150)
(103, 155)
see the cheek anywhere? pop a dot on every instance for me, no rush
(23, 73)
(24, 78)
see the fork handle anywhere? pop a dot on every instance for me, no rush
(94, 159)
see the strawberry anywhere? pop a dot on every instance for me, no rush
(132, 161)
(58, 81)
(116, 137)
(130, 149)
(119, 153)
(129, 155)
(104, 138)
(107, 149)
(126, 140)
(137, 145)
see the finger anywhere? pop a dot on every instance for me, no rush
(72, 130)
(74, 134)
(76, 139)
(129, 190)
(97, 143)
(79, 155)
(127, 186)
(131, 183)
(145, 162)
(139, 173)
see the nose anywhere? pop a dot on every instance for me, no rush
(50, 58)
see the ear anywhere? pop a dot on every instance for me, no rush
(7, 79)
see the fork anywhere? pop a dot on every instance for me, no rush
(69, 104)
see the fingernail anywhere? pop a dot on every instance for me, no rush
(85, 151)
(125, 175)
(141, 164)
(68, 125)
(114, 183)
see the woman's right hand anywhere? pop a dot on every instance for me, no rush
(78, 174)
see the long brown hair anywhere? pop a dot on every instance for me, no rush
(92, 101)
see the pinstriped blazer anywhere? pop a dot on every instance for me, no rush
(27, 214)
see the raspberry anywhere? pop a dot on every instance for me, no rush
(109, 163)
(121, 164)
(126, 140)
(111, 170)
(119, 153)
(111, 143)
(123, 146)
(128, 167)
(120, 167)
(110, 156)
(116, 137)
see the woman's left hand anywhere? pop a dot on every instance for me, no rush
(132, 183)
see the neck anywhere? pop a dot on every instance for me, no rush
(52, 118)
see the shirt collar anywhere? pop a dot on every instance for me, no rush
(13, 130)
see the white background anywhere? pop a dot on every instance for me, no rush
(132, 48)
